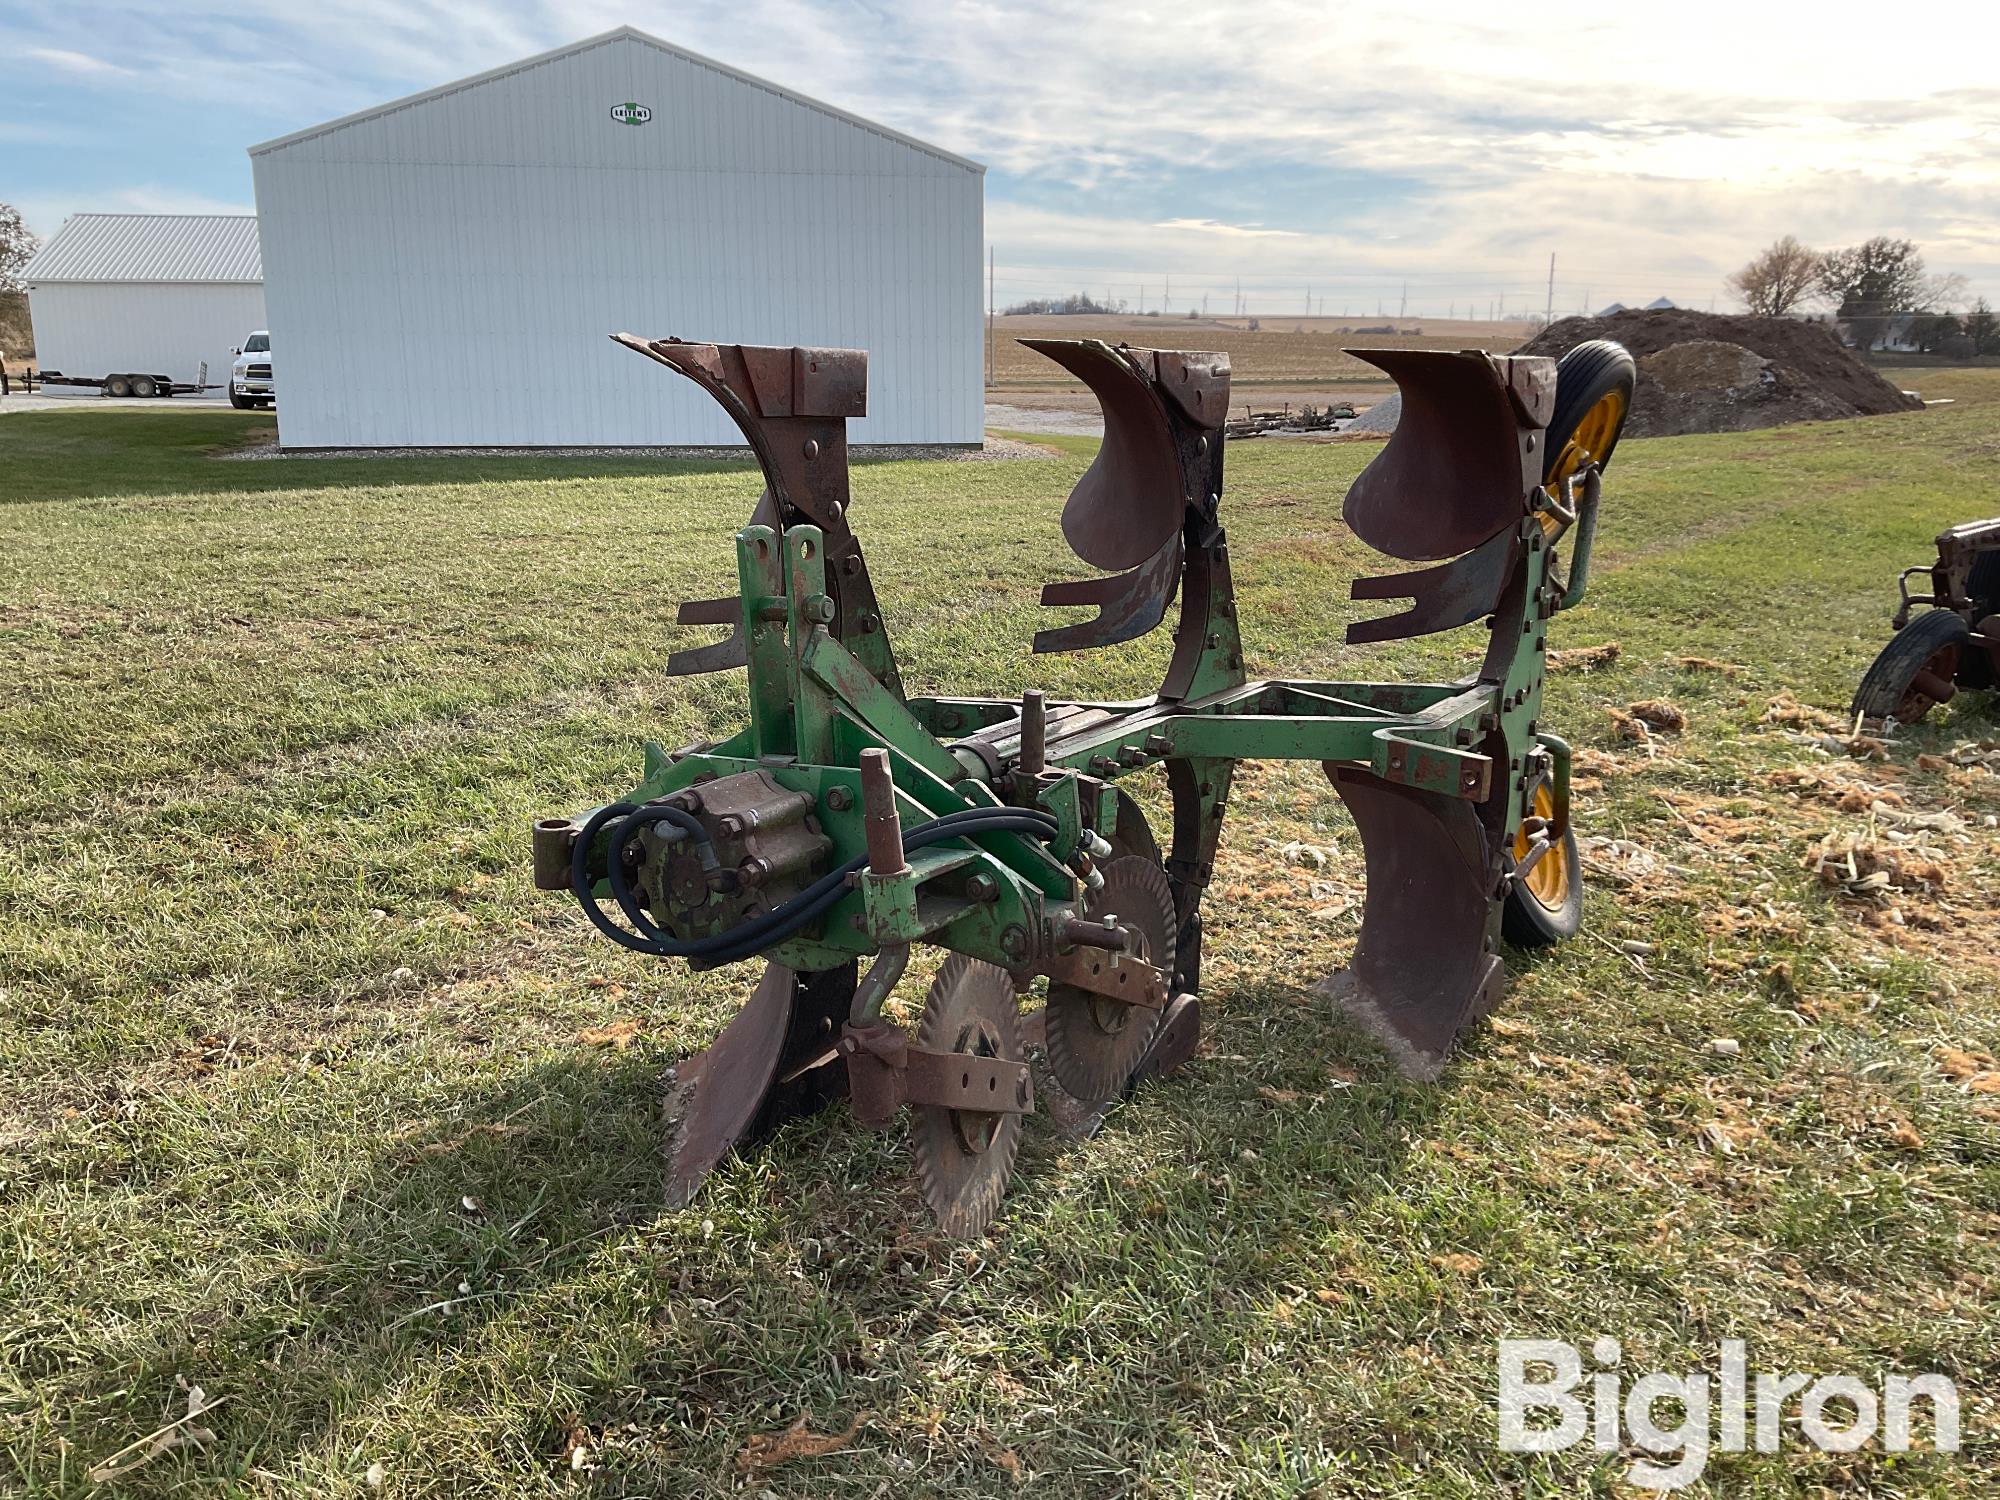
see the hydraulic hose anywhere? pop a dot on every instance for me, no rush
(774, 926)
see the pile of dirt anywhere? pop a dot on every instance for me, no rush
(1712, 372)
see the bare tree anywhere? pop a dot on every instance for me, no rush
(17, 245)
(1779, 279)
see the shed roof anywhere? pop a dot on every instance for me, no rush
(621, 33)
(150, 247)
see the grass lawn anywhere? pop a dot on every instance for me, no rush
(309, 1100)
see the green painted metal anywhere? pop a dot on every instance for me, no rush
(1441, 768)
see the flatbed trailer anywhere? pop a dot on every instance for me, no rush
(143, 384)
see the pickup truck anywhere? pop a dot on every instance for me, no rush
(250, 381)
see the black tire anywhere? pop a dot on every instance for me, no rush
(1530, 919)
(1584, 377)
(238, 400)
(1935, 639)
(117, 385)
(144, 385)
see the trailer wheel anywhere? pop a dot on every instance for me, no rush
(117, 385)
(144, 385)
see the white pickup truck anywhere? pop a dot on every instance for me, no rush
(250, 381)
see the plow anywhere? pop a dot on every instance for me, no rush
(845, 822)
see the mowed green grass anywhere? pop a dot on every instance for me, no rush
(308, 1099)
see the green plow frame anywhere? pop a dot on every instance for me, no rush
(843, 822)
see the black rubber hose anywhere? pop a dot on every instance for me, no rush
(774, 926)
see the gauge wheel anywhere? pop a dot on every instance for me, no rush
(1547, 907)
(1594, 384)
(1916, 671)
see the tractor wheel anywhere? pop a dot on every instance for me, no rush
(1916, 670)
(1593, 395)
(1547, 907)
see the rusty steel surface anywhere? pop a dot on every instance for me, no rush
(1457, 469)
(1131, 498)
(1426, 962)
(729, 1094)
(792, 406)
(964, 1156)
(847, 822)
(1103, 1008)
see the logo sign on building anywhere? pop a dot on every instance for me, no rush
(631, 114)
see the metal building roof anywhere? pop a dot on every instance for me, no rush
(150, 247)
(622, 33)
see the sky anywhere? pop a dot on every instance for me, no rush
(1413, 159)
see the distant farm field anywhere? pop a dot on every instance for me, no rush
(1281, 351)
(309, 1102)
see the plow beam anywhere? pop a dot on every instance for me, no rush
(774, 1062)
(1425, 966)
(1465, 454)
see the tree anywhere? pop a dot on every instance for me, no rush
(1779, 279)
(16, 247)
(1982, 329)
(1870, 282)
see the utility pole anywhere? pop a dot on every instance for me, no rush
(989, 317)
(1404, 305)
(1167, 299)
(1239, 296)
(1142, 299)
(1549, 313)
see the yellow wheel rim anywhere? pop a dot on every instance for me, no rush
(1548, 882)
(1588, 443)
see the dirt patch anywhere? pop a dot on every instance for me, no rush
(1711, 372)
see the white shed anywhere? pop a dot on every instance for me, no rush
(447, 269)
(161, 294)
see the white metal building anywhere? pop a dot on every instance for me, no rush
(157, 293)
(447, 269)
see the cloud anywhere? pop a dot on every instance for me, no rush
(1227, 231)
(76, 62)
(1651, 150)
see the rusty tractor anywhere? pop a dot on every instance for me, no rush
(847, 821)
(1954, 644)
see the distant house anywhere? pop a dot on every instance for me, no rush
(161, 293)
(1662, 304)
(1616, 307)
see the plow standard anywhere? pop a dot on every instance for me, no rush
(847, 822)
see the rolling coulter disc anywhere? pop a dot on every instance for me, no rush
(1916, 670)
(1094, 1042)
(964, 1156)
